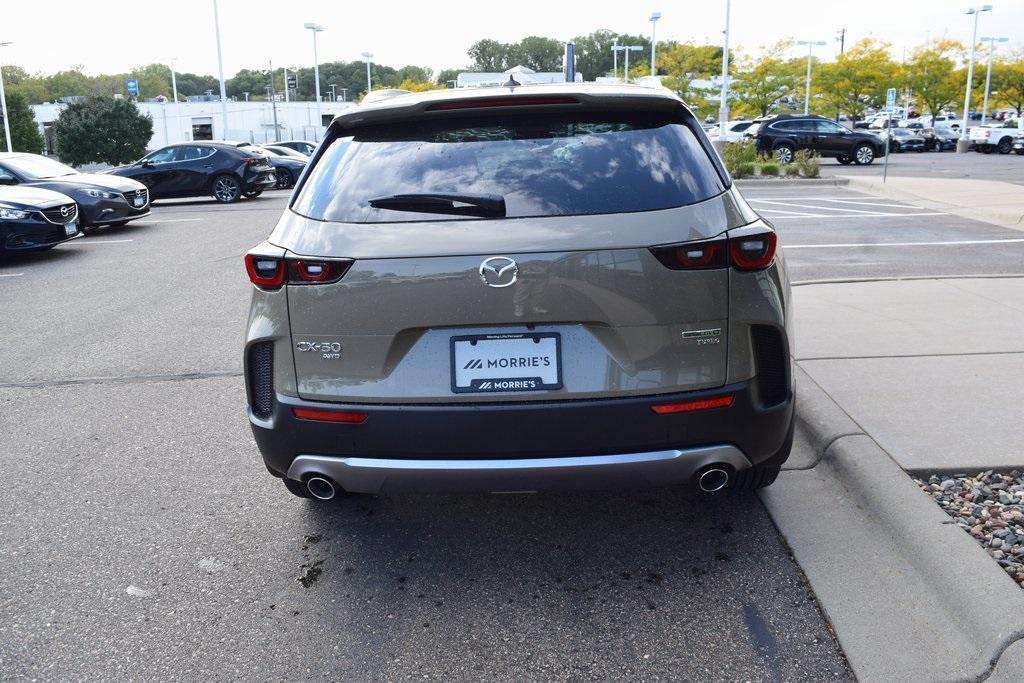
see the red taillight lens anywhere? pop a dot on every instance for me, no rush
(691, 406)
(270, 272)
(266, 272)
(313, 271)
(752, 248)
(345, 416)
(693, 255)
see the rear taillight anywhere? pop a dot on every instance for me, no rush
(271, 272)
(750, 248)
(344, 416)
(694, 255)
(266, 272)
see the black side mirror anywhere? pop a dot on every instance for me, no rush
(7, 180)
(146, 163)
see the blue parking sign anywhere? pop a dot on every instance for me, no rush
(131, 86)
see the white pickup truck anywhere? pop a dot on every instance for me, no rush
(993, 137)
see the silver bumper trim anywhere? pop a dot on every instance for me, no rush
(376, 475)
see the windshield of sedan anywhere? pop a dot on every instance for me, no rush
(539, 165)
(35, 167)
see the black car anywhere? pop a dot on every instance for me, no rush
(782, 136)
(938, 138)
(101, 200)
(224, 170)
(306, 148)
(32, 219)
(905, 140)
(288, 165)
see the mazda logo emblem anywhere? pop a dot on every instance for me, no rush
(498, 271)
(65, 211)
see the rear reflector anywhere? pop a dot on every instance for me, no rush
(329, 415)
(691, 406)
(514, 101)
(271, 272)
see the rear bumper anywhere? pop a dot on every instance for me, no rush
(376, 475)
(527, 439)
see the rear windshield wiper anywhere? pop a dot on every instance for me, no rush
(482, 205)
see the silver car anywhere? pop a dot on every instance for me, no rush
(515, 289)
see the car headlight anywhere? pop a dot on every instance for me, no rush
(102, 194)
(13, 214)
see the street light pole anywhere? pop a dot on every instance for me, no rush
(316, 28)
(723, 105)
(963, 143)
(654, 23)
(615, 58)
(988, 74)
(273, 97)
(630, 48)
(807, 83)
(220, 70)
(3, 104)
(368, 56)
(334, 92)
(177, 108)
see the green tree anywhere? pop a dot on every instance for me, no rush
(102, 130)
(1008, 81)
(857, 79)
(25, 135)
(537, 53)
(933, 76)
(594, 53)
(763, 80)
(446, 75)
(681, 63)
(488, 55)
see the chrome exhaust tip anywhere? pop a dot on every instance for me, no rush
(321, 488)
(713, 479)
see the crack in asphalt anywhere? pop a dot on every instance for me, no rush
(133, 379)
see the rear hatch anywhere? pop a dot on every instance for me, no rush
(508, 257)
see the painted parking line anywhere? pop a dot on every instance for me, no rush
(180, 220)
(903, 244)
(813, 206)
(11, 274)
(90, 242)
(859, 215)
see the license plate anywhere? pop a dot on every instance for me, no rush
(506, 362)
(70, 228)
(139, 202)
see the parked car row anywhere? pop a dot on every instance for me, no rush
(34, 219)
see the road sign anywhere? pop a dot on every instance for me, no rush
(890, 100)
(131, 86)
(292, 82)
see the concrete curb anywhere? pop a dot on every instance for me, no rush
(996, 215)
(910, 595)
(747, 183)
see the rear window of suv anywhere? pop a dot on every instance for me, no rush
(541, 165)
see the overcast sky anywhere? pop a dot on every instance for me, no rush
(113, 36)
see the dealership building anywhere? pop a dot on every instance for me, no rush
(204, 120)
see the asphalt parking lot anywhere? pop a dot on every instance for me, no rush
(1008, 168)
(142, 539)
(830, 233)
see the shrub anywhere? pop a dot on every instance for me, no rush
(102, 129)
(769, 168)
(807, 163)
(745, 169)
(736, 154)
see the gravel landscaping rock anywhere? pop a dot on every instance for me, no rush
(990, 507)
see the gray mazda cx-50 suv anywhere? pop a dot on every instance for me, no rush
(515, 289)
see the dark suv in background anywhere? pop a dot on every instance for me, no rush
(782, 136)
(225, 170)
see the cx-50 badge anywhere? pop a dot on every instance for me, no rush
(328, 350)
(498, 271)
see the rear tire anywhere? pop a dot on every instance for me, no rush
(1005, 145)
(784, 154)
(226, 189)
(285, 179)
